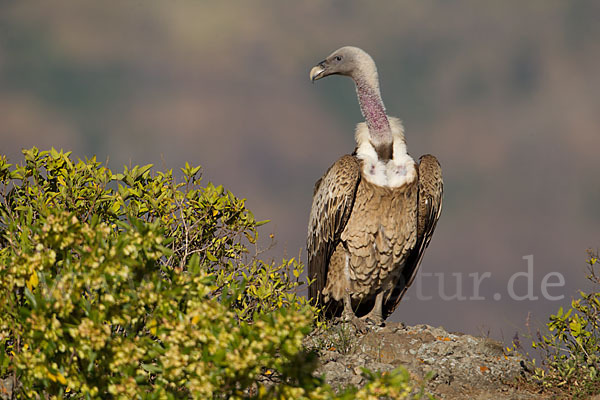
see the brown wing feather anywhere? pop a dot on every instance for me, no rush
(333, 199)
(429, 211)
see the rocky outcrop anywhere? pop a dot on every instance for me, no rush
(452, 365)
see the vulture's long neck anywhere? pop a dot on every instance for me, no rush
(373, 110)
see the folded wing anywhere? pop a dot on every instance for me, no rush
(333, 200)
(429, 210)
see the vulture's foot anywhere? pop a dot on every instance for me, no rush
(348, 316)
(375, 316)
(373, 319)
(360, 325)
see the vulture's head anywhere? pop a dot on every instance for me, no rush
(349, 61)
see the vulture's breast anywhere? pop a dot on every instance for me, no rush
(381, 230)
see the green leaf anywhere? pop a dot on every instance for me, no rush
(151, 368)
(30, 297)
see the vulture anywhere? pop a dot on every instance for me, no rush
(373, 212)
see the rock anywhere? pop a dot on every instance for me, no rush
(460, 366)
(7, 387)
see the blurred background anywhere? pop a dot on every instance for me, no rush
(505, 94)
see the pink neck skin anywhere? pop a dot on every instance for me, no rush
(373, 110)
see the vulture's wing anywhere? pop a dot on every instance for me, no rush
(429, 209)
(333, 199)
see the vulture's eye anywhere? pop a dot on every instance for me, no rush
(338, 58)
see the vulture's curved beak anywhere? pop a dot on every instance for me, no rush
(317, 72)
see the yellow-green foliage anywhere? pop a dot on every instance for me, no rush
(131, 285)
(571, 349)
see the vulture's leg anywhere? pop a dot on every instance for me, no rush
(348, 314)
(375, 316)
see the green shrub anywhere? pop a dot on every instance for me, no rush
(570, 351)
(132, 285)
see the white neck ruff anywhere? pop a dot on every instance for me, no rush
(394, 173)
